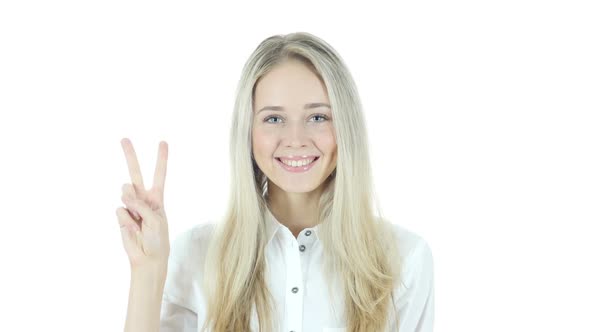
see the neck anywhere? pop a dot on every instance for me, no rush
(296, 211)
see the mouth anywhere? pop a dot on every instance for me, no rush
(297, 169)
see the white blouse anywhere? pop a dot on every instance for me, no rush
(296, 282)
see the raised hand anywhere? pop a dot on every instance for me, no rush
(144, 226)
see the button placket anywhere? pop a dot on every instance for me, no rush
(305, 241)
(294, 284)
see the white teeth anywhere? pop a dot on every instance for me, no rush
(297, 163)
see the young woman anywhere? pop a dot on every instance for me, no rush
(299, 247)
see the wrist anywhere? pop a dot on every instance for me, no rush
(152, 275)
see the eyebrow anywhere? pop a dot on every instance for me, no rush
(306, 106)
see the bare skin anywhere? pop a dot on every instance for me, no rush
(144, 230)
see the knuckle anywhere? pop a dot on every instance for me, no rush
(123, 214)
(125, 197)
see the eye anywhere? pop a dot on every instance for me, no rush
(321, 116)
(271, 117)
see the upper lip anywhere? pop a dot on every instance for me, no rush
(295, 158)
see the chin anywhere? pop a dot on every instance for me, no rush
(297, 187)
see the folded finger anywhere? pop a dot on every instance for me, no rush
(125, 219)
(145, 212)
(130, 240)
(126, 199)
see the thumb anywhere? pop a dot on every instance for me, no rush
(145, 212)
(129, 233)
(125, 219)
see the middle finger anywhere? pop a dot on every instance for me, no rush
(160, 173)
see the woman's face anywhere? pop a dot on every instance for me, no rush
(284, 128)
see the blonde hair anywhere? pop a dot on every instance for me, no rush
(360, 250)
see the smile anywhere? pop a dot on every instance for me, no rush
(297, 167)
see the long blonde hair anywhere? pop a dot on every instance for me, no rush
(360, 251)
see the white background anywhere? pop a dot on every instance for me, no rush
(478, 123)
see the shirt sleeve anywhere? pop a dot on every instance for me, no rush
(174, 317)
(178, 312)
(415, 305)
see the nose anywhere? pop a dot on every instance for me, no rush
(295, 134)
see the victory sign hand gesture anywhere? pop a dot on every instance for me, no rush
(144, 227)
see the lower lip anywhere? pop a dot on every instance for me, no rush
(297, 169)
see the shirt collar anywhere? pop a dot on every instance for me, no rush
(271, 223)
(273, 226)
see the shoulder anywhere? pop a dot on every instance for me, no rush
(407, 241)
(417, 262)
(414, 294)
(410, 243)
(414, 251)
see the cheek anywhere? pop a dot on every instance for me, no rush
(327, 142)
(262, 143)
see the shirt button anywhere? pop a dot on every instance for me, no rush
(307, 233)
(302, 248)
(294, 289)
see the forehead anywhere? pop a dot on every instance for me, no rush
(289, 83)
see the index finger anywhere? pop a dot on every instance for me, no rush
(132, 164)
(160, 174)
